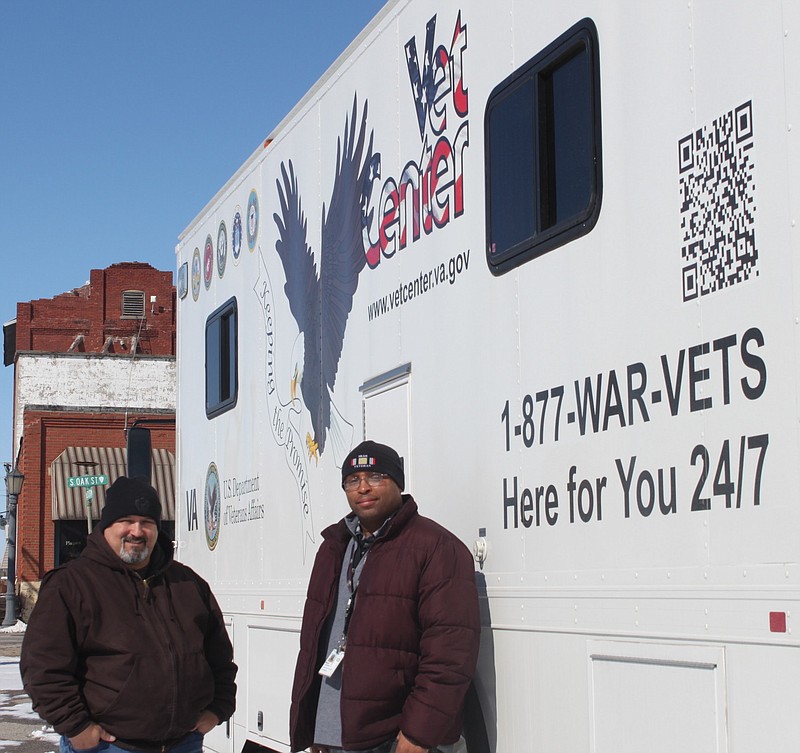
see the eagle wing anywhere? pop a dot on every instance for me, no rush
(342, 257)
(302, 286)
(321, 305)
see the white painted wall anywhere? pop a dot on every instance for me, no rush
(79, 380)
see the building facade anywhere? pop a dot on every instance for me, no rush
(89, 364)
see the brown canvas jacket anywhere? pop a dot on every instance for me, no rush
(142, 658)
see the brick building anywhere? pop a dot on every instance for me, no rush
(88, 364)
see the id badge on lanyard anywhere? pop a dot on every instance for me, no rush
(336, 656)
(332, 663)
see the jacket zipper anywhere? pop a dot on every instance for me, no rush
(159, 619)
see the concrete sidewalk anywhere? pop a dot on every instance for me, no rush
(10, 643)
(21, 730)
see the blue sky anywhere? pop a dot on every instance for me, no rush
(120, 120)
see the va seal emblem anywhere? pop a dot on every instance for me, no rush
(208, 262)
(252, 220)
(236, 235)
(183, 280)
(197, 273)
(222, 248)
(211, 508)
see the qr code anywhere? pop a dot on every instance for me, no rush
(718, 204)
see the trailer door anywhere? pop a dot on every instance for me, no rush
(387, 413)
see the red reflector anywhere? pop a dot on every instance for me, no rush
(770, 619)
(777, 622)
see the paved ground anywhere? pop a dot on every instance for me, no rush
(21, 731)
(10, 643)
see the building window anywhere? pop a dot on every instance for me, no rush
(222, 382)
(133, 304)
(70, 540)
(543, 155)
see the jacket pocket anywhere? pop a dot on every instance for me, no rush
(196, 681)
(107, 680)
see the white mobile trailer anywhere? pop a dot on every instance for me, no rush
(549, 251)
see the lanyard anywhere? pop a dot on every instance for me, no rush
(360, 551)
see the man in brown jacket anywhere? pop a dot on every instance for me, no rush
(126, 649)
(390, 630)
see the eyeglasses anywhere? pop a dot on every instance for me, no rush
(351, 483)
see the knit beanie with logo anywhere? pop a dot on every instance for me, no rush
(377, 458)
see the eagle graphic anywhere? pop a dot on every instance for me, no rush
(321, 303)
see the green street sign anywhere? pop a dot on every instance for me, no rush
(74, 481)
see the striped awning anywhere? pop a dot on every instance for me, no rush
(70, 503)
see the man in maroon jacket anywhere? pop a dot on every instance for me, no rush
(126, 649)
(390, 630)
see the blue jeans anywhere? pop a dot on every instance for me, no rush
(389, 745)
(192, 743)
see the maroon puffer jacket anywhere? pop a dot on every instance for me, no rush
(413, 638)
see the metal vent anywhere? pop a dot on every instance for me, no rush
(133, 304)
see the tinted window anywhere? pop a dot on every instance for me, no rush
(512, 158)
(543, 151)
(221, 359)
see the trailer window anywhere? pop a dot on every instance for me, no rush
(543, 156)
(222, 373)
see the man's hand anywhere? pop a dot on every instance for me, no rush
(404, 745)
(207, 721)
(90, 737)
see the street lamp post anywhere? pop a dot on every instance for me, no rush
(14, 479)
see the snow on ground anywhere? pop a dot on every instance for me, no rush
(18, 627)
(44, 735)
(16, 706)
(9, 674)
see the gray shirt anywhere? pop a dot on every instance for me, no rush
(328, 730)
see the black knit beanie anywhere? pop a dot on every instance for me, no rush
(379, 458)
(130, 496)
